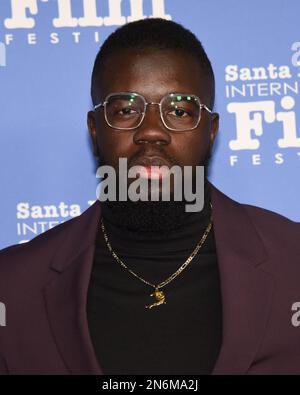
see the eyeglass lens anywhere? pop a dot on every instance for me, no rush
(126, 110)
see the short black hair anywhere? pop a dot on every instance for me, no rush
(152, 33)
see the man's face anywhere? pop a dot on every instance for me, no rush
(153, 74)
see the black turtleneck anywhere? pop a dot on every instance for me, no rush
(180, 337)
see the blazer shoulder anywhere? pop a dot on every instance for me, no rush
(40, 250)
(279, 234)
(260, 217)
(266, 218)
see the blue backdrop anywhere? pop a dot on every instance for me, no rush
(47, 49)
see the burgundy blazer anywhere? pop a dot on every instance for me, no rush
(44, 284)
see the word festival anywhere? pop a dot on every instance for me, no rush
(24, 15)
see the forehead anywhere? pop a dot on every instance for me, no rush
(153, 73)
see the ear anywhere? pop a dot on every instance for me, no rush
(91, 123)
(214, 127)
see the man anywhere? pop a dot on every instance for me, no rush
(146, 287)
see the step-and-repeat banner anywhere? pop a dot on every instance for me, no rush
(47, 49)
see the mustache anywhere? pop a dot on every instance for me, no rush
(163, 155)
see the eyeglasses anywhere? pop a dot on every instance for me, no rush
(178, 111)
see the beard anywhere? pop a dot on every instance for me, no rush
(153, 216)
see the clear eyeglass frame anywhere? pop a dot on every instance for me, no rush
(197, 99)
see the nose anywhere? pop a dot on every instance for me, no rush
(152, 130)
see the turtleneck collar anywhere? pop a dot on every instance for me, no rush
(179, 239)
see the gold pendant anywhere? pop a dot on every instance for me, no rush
(160, 298)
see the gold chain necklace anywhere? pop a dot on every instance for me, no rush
(158, 293)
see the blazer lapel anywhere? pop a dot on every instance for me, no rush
(245, 287)
(66, 294)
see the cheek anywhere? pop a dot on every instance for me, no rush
(113, 145)
(191, 147)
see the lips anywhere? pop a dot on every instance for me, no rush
(150, 167)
